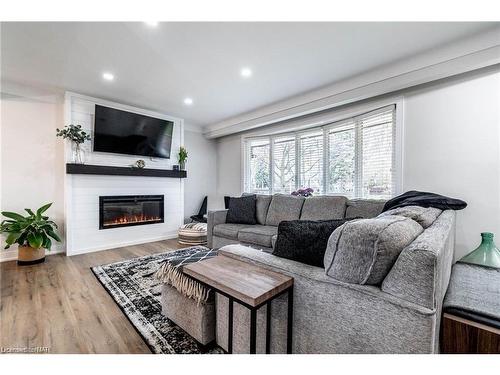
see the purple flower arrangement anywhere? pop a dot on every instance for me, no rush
(307, 192)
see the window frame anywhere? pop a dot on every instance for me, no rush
(335, 121)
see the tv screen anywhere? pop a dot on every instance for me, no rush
(122, 132)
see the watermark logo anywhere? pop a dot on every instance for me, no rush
(25, 349)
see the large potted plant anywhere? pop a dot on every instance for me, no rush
(33, 233)
(77, 136)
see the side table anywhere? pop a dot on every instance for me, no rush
(471, 311)
(248, 285)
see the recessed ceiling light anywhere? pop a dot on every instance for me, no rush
(246, 72)
(152, 23)
(188, 101)
(108, 76)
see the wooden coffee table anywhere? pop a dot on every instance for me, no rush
(249, 285)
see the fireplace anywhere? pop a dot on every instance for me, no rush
(127, 210)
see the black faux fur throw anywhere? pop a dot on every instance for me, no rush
(305, 240)
(424, 199)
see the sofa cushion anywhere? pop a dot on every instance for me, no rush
(229, 230)
(425, 216)
(363, 251)
(242, 210)
(261, 206)
(365, 208)
(324, 208)
(258, 234)
(305, 240)
(284, 208)
(273, 240)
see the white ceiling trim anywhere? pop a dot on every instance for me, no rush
(464, 56)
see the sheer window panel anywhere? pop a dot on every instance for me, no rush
(284, 169)
(258, 168)
(311, 161)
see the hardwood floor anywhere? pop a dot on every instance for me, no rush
(61, 306)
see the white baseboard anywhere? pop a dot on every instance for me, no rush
(9, 255)
(167, 236)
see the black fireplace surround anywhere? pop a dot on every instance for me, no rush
(126, 210)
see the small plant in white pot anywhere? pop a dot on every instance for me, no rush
(33, 233)
(183, 155)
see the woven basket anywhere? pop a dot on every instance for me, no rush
(193, 234)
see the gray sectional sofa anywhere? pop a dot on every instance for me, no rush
(398, 313)
(271, 210)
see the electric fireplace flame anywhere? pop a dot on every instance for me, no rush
(126, 210)
(129, 219)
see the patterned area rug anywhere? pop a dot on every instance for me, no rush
(134, 288)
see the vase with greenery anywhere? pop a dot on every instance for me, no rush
(33, 233)
(182, 157)
(77, 136)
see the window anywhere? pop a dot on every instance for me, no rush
(259, 181)
(341, 159)
(311, 160)
(284, 164)
(354, 157)
(377, 150)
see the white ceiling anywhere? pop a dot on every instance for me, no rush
(156, 68)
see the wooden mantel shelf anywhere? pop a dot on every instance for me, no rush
(122, 171)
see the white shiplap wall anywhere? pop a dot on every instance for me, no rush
(82, 191)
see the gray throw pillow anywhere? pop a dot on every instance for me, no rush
(425, 216)
(364, 251)
(241, 210)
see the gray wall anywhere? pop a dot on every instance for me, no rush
(201, 170)
(229, 167)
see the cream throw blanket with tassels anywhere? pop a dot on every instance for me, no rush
(171, 273)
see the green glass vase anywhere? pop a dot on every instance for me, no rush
(487, 254)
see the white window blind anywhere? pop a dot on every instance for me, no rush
(354, 157)
(342, 161)
(311, 160)
(378, 155)
(284, 164)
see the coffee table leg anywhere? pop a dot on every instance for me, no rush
(253, 331)
(289, 321)
(230, 327)
(268, 327)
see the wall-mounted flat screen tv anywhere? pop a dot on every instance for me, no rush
(122, 132)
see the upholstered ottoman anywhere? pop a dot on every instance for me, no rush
(197, 319)
(193, 234)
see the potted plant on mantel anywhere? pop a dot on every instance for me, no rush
(77, 136)
(33, 234)
(183, 155)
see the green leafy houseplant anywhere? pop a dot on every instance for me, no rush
(77, 136)
(183, 154)
(73, 133)
(34, 230)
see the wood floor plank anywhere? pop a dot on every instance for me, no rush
(61, 305)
